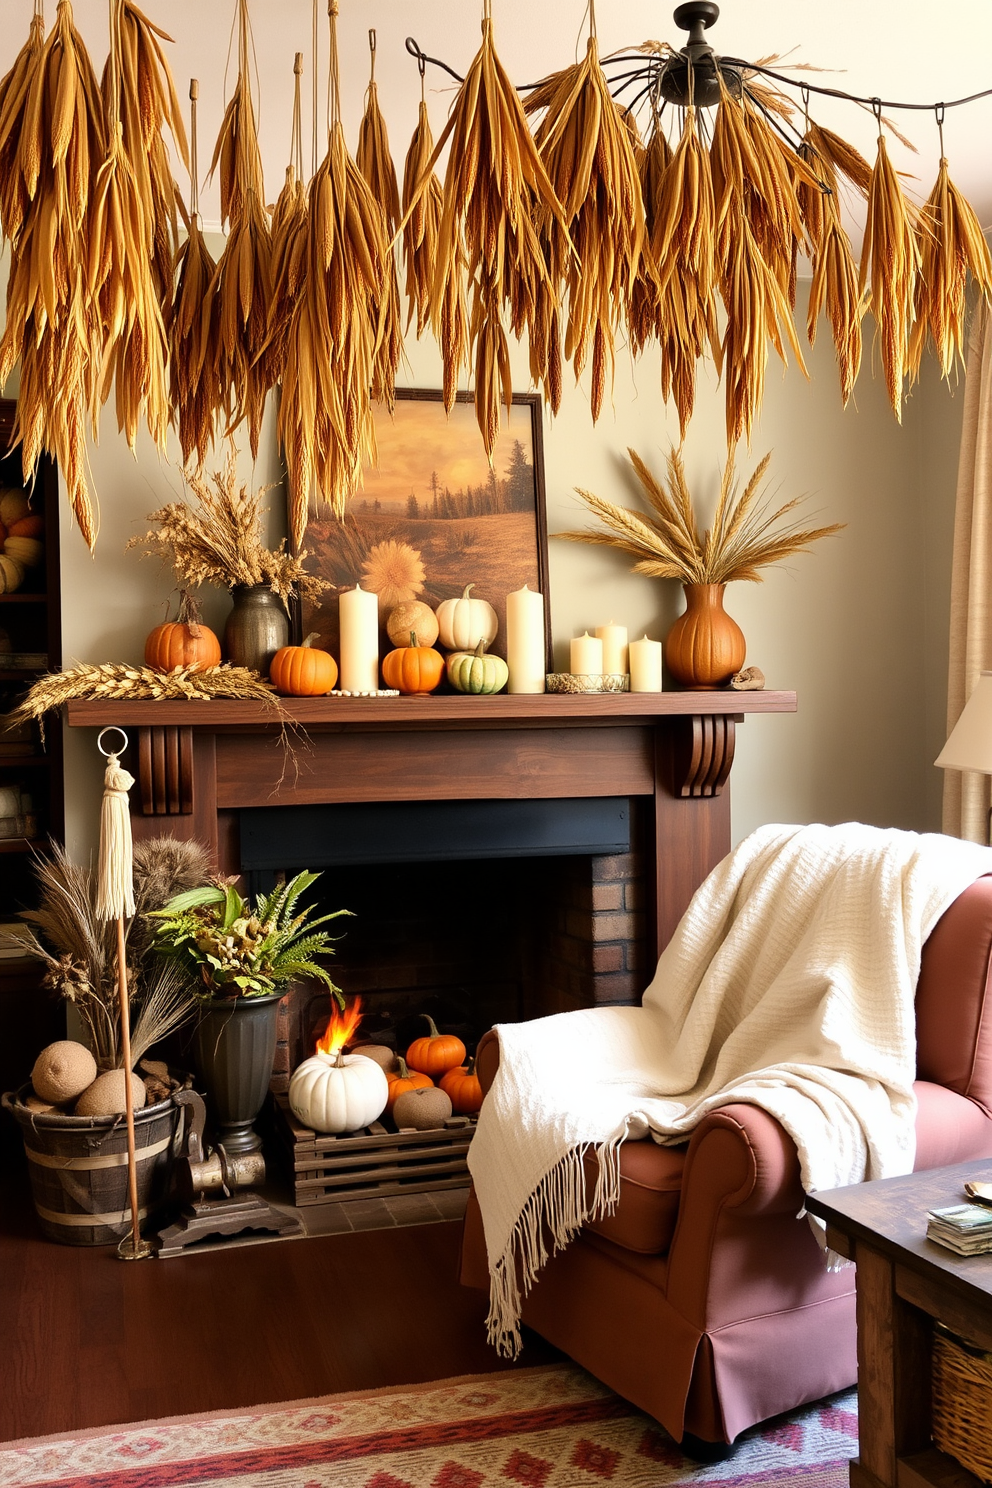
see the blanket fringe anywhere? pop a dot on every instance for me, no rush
(550, 1219)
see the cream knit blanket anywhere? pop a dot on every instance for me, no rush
(788, 984)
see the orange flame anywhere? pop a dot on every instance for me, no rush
(341, 1028)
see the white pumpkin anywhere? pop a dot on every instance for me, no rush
(464, 622)
(338, 1093)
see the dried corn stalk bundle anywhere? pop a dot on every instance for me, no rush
(890, 261)
(325, 413)
(243, 281)
(131, 331)
(376, 164)
(951, 243)
(289, 237)
(834, 287)
(585, 146)
(195, 392)
(49, 327)
(486, 237)
(754, 292)
(422, 220)
(147, 104)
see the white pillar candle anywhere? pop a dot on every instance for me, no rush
(586, 656)
(526, 650)
(645, 666)
(358, 620)
(614, 639)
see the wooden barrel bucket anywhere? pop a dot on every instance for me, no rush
(78, 1169)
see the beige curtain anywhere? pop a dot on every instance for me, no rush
(967, 794)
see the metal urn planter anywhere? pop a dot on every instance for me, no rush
(256, 627)
(234, 1048)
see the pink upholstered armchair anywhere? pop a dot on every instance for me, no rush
(704, 1299)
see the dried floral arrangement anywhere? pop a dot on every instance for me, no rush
(218, 541)
(79, 951)
(117, 679)
(666, 543)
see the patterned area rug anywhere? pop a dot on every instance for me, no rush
(551, 1427)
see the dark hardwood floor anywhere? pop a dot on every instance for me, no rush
(87, 1340)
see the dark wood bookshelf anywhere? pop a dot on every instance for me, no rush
(32, 618)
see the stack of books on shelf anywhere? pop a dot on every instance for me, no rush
(964, 1228)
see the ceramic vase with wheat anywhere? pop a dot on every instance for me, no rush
(705, 647)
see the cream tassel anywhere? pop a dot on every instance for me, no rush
(115, 884)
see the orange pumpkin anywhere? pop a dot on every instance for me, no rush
(183, 642)
(32, 526)
(463, 1089)
(403, 1079)
(413, 668)
(303, 671)
(436, 1053)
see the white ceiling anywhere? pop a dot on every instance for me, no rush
(912, 50)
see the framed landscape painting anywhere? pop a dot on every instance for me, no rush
(434, 516)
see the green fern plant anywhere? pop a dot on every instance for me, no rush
(230, 949)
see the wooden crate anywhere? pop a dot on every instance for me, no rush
(375, 1162)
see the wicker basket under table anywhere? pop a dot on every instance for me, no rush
(376, 1162)
(962, 1402)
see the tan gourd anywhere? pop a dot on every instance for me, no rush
(13, 506)
(28, 551)
(11, 574)
(105, 1097)
(424, 1109)
(412, 615)
(62, 1071)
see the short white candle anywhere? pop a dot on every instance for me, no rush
(614, 639)
(526, 649)
(645, 666)
(586, 656)
(358, 620)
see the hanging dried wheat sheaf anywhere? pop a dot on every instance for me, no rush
(890, 262)
(682, 246)
(289, 237)
(834, 287)
(486, 237)
(754, 294)
(196, 396)
(52, 104)
(585, 146)
(243, 281)
(421, 218)
(951, 244)
(325, 413)
(148, 106)
(376, 164)
(652, 161)
(132, 342)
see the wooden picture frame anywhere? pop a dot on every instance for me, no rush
(434, 515)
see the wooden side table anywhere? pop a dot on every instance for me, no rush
(904, 1282)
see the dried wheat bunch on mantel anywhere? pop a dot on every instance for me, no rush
(746, 533)
(218, 540)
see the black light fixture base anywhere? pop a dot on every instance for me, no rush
(693, 75)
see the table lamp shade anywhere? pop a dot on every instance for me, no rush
(970, 744)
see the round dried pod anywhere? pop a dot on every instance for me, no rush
(423, 1109)
(384, 1057)
(105, 1097)
(412, 615)
(62, 1071)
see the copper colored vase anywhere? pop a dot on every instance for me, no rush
(705, 647)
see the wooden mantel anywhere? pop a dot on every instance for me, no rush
(199, 763)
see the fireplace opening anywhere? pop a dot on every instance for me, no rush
(473, 912)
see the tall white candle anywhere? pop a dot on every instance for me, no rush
(645, 666)
(526, 652)
(614, 639)
(358, 620)
(586, 656)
